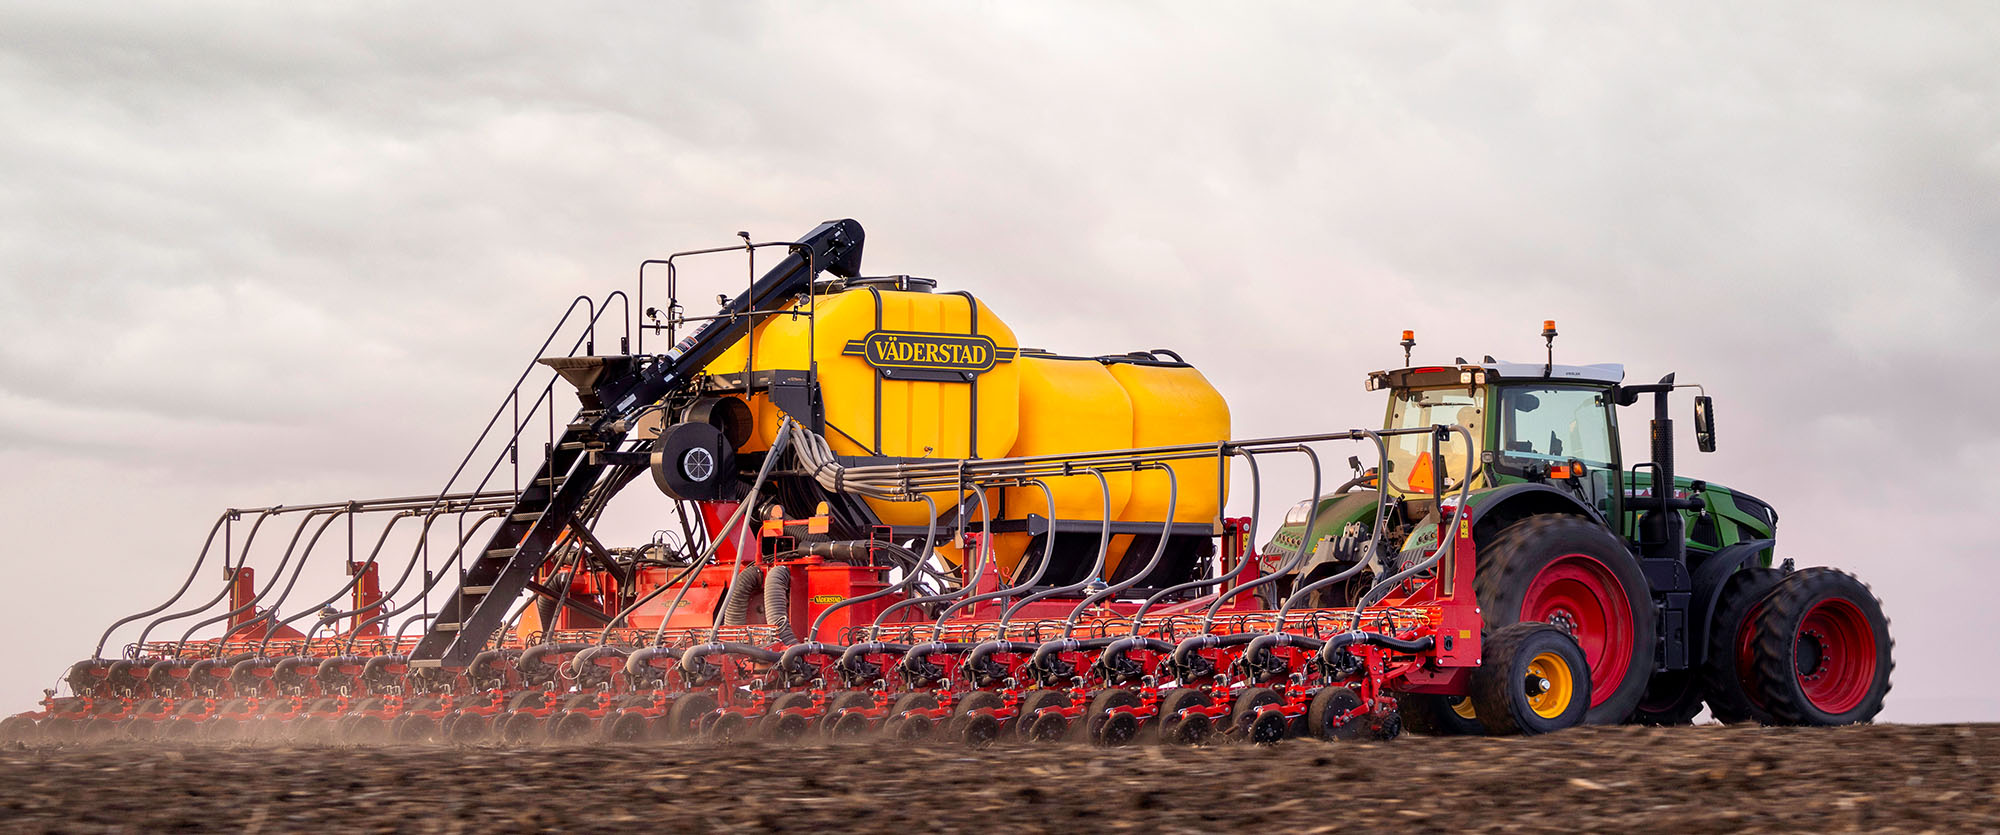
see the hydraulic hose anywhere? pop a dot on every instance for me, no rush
(1112, 591)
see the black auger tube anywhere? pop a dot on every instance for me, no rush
(1347, 639)
(918, 653)
(1043, 658)
(850, 658)
(789, 660)
(1114, 654)
(987, 649)
(698, 670)
(1184, 653)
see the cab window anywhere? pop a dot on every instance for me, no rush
(1411, 468)
(1554, 423)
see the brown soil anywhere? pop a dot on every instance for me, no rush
(1707, 778)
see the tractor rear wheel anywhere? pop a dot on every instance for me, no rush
(1532, 679)
(1724, 681)
(1573, 574)
(1820, 651)
(1672, 698)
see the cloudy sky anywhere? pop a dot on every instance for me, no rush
(252, 256)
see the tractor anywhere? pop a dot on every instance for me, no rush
(1667, 583)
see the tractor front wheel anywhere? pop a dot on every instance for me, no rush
(1578, 577)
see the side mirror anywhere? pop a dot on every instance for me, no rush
(1704, 423)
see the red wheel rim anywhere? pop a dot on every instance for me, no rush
(1579, 594)
(1834, 655)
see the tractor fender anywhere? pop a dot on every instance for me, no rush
(1708, 581)
(1495, 509)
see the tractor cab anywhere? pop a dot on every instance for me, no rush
(1531, 423)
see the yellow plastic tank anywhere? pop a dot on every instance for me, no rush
(919, 375)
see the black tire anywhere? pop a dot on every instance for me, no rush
(1323, 716)
(1672, 699)
(629, 726)
(1244, 711)
(1048, 726)
(979, 730)
(774, 716)
(914, 727)
(470, 728)
(969, 702)
(730, 727)
(1820, 650)
(1532, 679)
(1097, 716)
(1434, 715)
(1032, 705)
(689, 712)
(522, 728)
(1515, 563)
(571, 727)
(838, 723)
(1167, 722)
(1722, 683)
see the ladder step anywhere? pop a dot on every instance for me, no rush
(431, 663)
(570, 446)
(449, 627)
(476, 590)
(548, 482)
(525, 517)
(501, 553)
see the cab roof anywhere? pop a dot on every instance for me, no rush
(1604, 372)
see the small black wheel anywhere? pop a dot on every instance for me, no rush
(1117, 729)
(1172, 702)
(849, 725)
(1048, 726)
(689, 712)
(521, 728)
(1246, 708)
(1820, 650)
(1193, 729)
(1532, 679)
(1326, 716)
(629, 726)
(363, 729)
(1032, 706)
(19, 729)
(919, 700)
(979, 730)
(470, 728)
(571, 726)
(1268, 727)
(789, 727)
(841, 720)
(1098, 713)
(730, 727)
(913, 727)
(1722, 672)
(972, 701)
(411, 727)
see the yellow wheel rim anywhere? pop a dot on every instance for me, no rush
(1463, 707)
(1549, 685)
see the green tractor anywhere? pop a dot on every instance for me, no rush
(1667, 583)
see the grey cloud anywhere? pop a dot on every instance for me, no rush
(255, 255)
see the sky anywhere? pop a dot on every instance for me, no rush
(255, 254)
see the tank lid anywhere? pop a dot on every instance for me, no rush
(905, 283)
